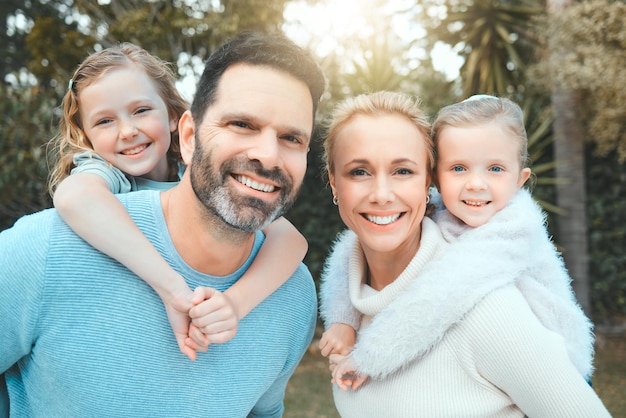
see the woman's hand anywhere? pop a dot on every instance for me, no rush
(345, 373)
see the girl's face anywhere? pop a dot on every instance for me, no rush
(478, 171)
(381, 180)
(127, 122)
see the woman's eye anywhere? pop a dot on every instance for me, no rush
(357, 172)
(404, 171)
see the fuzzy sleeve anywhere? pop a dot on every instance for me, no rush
(335, 305)
(512, 248)
(441, 294)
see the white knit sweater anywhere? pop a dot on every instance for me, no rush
(498, 360)
(512, 248)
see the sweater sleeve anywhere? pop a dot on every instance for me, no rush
(477, 261)
(439, 296)
(22, 258)
(513, 351)
(90, 162)
(335, 305)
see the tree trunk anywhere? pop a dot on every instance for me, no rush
(569, 153)
(571, 196)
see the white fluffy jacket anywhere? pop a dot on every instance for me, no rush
(512, 248)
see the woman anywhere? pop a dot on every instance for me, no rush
(498, 360)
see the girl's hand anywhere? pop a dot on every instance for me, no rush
(337, 339)
(214, 315)
(177, 307)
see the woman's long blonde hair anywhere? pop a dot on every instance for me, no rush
(71, 137)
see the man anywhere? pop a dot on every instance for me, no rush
(82, 336)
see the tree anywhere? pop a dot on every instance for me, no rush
(168, 28)
(495, 38)
(569, 153)
(17, 18)
(592, 61)
(586, 70)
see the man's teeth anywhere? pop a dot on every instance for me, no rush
(135, 150)
(255, 185)
(382, 220)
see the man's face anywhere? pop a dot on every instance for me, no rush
(251, 147)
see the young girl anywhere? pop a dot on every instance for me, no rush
(119, 134)
(497, 235)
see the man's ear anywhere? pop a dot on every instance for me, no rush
(187, 136)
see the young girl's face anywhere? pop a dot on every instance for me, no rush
(381, 180)
(478, 171)
(127, 122)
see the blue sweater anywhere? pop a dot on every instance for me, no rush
(81, 336)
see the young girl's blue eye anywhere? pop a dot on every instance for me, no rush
(497, 169)
(457, 169)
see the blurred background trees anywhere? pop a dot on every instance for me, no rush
(510, 48)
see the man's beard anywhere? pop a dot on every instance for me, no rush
(244, 213)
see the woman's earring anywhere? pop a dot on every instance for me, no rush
(335, 200)
(428, 198)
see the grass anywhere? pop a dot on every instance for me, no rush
(609, 379)
(309, 393)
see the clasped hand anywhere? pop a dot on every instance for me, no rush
(336, 344)
(200, 318)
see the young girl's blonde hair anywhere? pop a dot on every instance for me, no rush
(373, 104)
(482, 109)
(71, 137)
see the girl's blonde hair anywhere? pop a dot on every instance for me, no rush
(71, 137)
(483, 109)
(379, 103)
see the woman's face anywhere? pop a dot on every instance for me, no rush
(381, 180)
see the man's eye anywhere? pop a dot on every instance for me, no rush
(240, 124)
(293, 139)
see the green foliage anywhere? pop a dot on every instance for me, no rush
(55, 53)
(593, 53)
(25, 128)
(606, 188)
(168, 28)
(496, 39)
(13, 53)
